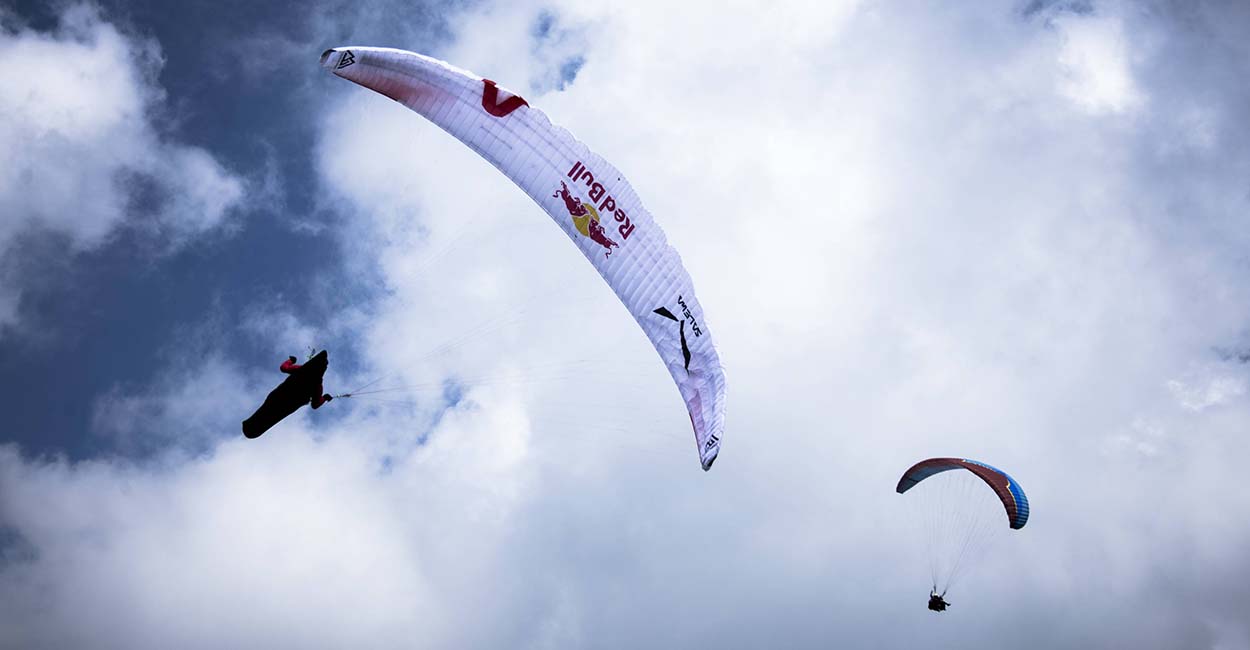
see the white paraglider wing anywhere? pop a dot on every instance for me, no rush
(586, 197)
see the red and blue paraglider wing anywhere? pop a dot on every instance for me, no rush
(1008, 491)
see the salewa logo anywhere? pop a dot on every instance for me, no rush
(685, 311)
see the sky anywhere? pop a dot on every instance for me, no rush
(1011, 231)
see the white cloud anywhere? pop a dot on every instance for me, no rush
(188, 405)
(1208, 387)
(1095, 58)
(236, 536)
(908, 245)
(80, 152)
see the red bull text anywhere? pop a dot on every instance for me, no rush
(600, 197)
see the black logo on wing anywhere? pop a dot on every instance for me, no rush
(345, 60)
(685, 350)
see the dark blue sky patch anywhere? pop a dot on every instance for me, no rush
(105, 317)
(569, 70)
(559, 46)
(543, 25)
(1049, 8)
(1240, 354)
(15, 549)
(240, 80)
(453, 393)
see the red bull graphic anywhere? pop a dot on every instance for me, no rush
(585, 219)
(490, 100)
(600, 196)
(571, 203)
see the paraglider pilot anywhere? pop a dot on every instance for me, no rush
(302, 387)
(936, 602)
(317, 398)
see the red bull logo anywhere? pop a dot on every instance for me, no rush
(601, 203)
(585, 219)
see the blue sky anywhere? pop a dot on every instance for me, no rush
(1014, 232)
(115, 315)
(110, 315)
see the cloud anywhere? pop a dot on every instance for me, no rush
(82, 153)
(1098, 74)
(1208, 387)
(183, 534)
(973, 231)
(188, 406)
